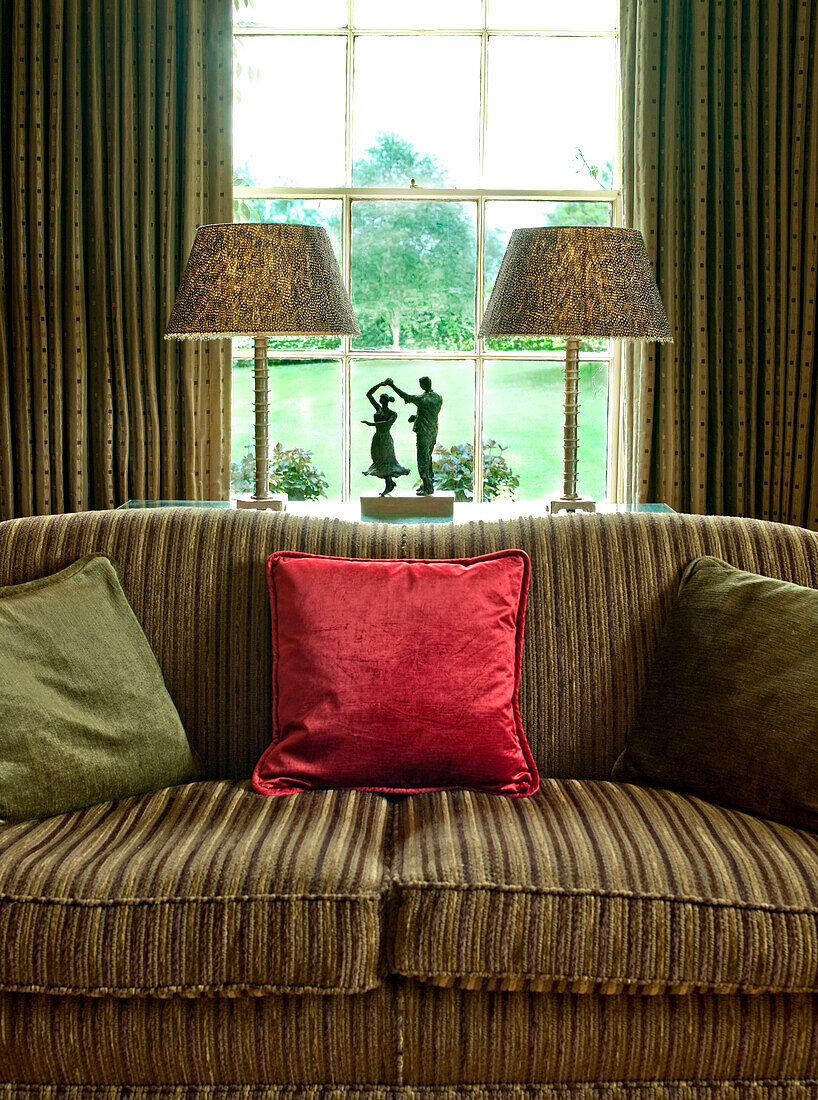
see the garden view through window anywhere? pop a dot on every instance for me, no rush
(420, 134)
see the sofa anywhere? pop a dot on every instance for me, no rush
(597, 939)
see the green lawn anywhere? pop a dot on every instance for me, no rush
(305, 411)
(522, 410)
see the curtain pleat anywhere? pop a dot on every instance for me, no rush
(720, 173)
(115, 132)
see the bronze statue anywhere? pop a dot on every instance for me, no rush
(382, 449)
(425, 426)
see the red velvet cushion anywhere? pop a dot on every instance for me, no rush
(397, 676)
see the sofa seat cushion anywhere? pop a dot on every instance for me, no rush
(593, 885)
(206, 888)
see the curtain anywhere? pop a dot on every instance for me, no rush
(116, 144)
(720, 173)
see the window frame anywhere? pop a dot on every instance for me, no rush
(348, 194)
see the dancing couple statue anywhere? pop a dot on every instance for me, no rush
(424, 424)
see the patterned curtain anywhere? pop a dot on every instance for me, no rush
(720, 159)
(116, 143)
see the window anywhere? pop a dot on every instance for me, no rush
(420, 133)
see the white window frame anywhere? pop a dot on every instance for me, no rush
(348, 194)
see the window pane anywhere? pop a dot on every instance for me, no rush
(555, 15)
(324, 212)
(420, 14)
(277, 143)
(455, 384)
(413, 274)
(501, 219)
(305, 415)
(416, 112)
(551, 112)
(284, 13)
(523, 413)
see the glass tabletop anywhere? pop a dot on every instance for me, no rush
(176, 504)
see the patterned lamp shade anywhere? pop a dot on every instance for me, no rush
(261, 279)
(576, 281)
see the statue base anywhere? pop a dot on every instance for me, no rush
(577, 504)
(275, 502)
(404, 504)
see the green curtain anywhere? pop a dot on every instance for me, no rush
(116, 143)
(720, 167)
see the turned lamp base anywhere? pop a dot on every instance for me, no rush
(576, 504)
(275, 502)
(262, 498)
(571, 501)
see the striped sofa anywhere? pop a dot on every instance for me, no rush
(597, 940)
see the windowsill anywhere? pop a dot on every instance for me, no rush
(351, 510)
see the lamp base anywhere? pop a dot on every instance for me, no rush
(577, 504)
(275, 502)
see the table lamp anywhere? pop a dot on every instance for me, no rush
(261, 279)
(575, 281)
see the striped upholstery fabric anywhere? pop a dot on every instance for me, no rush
(619, 1090)
(602, 886)
(204, 888)
(196, 579)
(601, 586)
(408, 1033)
(455, 1036)
(285, 1039)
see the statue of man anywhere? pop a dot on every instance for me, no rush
(425, 423)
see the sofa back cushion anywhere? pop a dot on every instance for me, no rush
(731, 703)
(84, 713)
(601, 588)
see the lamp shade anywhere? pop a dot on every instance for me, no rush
(576, 281)
(261, 279)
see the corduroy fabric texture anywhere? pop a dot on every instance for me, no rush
(406, 1032)
(585, 1041)
(204, 888)
(215, 891)
(601, 588)
(197, 580)
(602, 886)
(616, 1090)
(286, 1039)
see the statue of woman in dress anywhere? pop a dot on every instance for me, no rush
(382, 450)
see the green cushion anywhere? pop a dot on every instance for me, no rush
(85, 715)
(731, 710)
